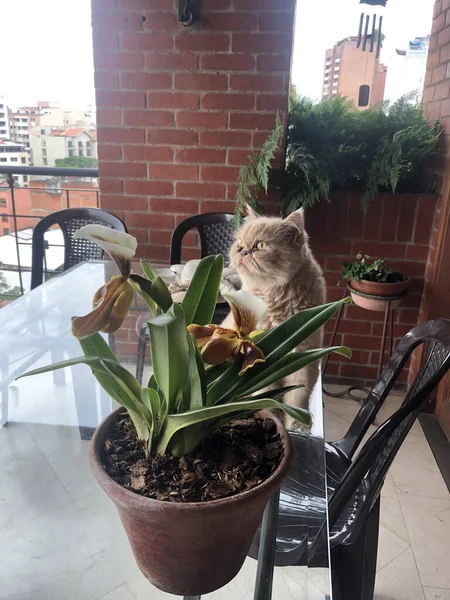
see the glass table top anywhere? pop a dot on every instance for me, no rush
(60, 537)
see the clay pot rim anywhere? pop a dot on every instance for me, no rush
(138, 501)
(405, 281)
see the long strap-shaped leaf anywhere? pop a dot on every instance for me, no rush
(296, 329)
(170, 354)
(200, 300)
(175, 423)
(262, 375)
(116, 383)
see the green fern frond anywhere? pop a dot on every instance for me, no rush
(254, 176)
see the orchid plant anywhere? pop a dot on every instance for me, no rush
(204, 375)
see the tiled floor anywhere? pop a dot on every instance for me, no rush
(60, 538)
(414, 545)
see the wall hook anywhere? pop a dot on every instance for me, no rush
(188, 12)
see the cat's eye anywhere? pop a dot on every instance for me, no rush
(261, 245)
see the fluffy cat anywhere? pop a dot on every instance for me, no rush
(275, 262)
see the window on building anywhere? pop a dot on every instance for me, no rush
(44, 151)
(43, 143)
(3, 159)
(2, 123)
(70, 153)
(5, 231)
(70, 144)
(42, 131)
(4, 218)
(88, 152)
(14, 159)
(44, 161)
(363, 98)
(3, 202)
(80, 144)
(80, 152)
(23, 160)
(25, 178)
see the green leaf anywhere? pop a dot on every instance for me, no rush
(275, 394)
(194, 395)
(292, 362)
(262, 374)
(170, 354)
(287, 336)
(200, 300)
(176, 423)
(143, 287)
(152, 401)
(96, 345)
(150, 272)
(160, 294)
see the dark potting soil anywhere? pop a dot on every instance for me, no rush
(231, 460)
(391, 277)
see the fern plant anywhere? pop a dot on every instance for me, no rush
(254, 176)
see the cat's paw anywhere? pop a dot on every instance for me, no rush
(293, 425)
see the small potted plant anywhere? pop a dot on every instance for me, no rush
(193, 459)
(372, 278)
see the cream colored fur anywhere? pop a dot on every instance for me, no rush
(287, 277)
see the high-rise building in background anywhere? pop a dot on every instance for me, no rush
(4, 125)
(26, 121)
(410, 79)
(354, 74)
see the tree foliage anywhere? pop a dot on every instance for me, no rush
(77, 162)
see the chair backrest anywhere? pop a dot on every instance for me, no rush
(377, 454)
(216, 231)
(75, 250)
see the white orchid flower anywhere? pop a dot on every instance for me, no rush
(219, 344)
(119, 245)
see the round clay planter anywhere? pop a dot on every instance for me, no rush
(375, 288)
(189, 549)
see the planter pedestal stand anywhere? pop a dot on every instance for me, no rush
(386, 303)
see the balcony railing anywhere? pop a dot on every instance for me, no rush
(47, 190)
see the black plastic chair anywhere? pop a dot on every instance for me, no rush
(216, 231)
(353, 482)
(75, 250)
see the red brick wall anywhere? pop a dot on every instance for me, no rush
(396, 228)
(179, 109)
(436, 102)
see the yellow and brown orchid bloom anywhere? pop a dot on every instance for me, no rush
(219, 344)
(112, 301)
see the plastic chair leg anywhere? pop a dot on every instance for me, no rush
(140, 359)
(353, 566)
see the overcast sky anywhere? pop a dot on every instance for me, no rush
(46, 45)
(322, 23)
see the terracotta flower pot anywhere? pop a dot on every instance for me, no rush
(189, 549)
(376, 288)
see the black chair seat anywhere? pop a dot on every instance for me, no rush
(301, 514)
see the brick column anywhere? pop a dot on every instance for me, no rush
(180, 109)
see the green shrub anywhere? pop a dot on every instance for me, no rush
(332, 145)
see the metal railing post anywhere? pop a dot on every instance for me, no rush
(10, 180)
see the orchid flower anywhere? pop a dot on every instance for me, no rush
(119, 245)
(112, 301)
(219, 344)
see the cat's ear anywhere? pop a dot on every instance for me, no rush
(251, 214)
(297, 218)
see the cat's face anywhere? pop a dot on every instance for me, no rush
(268, 249)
